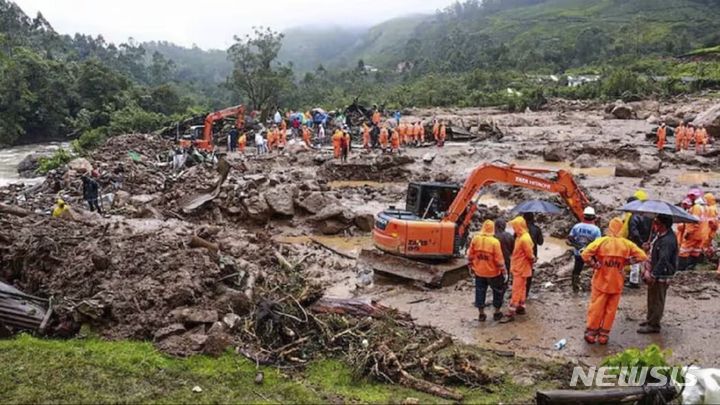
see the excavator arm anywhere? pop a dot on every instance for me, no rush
(238, 111)
(463, 207)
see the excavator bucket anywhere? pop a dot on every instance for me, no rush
(431, 274)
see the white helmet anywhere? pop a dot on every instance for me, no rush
(589, 212)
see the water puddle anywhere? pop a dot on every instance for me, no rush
(601, 171)
(492, 201)
(339, 184)
(346, 245)
(552, 248)
(691, 178)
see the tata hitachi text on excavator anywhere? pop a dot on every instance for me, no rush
(426, 240)
(205, 142)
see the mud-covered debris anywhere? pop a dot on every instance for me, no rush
(194, 315)
(429, 157)
(314, 202)
(80, 165)
(280, 200)
(647, 165)
(585, 161)
(554, 154)
(170, 330)
(710, 118)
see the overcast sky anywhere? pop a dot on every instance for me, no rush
(212, 23)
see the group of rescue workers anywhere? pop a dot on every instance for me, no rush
(386, 135)
(647, 248)
(684, 136)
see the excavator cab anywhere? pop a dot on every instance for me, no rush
(430, 200)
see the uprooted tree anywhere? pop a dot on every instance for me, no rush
(257, 75)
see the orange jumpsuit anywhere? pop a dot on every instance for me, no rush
(306, 136)
(436, 130)
(336, 143)
(402, 132)
(711, 213)
(701, 139)
(366, 136)
(689, 137)
(679, 137)
(610, 255)
(383, 138)
(395, 140)
(661, 138)
(283, 126)
(442, 135)
(693, 236)
(282, 137)
(271, 139)
(485, 254)
(421, 133)
(376, 118)
(521, 263)
(242, 142)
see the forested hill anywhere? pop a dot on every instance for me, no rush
(550, 35)
(54, 85)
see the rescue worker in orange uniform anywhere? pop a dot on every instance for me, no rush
(692, 237)
(441, 136)
(661, 137)
(402, 132)
(711, 213)
(701, 139)
(242, 142)
(436, 130)
(337, 143)
(689, 136)
(366, 136)
(395, 141)
(282, 136)
(384, 138)
(307, 135)
(488, 266)
(272, 138)
(421, 132)
(376, 117)
(283, 127)
(680, 137)
(521, 264)
(608, 256)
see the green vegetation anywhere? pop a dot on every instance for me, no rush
(59, 158)
(651, 356)
(92, 371)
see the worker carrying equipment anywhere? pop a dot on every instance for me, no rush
(608, 255)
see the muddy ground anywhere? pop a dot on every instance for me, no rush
(140, 273)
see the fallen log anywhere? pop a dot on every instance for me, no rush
(440, 344)
(614, 395)
(355, 307)
(408, 380)
(13, 210)
(198, 242)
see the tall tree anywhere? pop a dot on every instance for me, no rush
(257, 74)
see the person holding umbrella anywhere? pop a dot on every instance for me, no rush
(664, 255)
(663, 265)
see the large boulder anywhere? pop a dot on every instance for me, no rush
(314, 202)
(623, 111)
(554, 154)
(280, 200)
(80, 165)
(28, 166)
(645, 166)
(584, 161)
(710, 118)
(257, 208)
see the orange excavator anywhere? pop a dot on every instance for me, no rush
(425, 241)
(206, 141)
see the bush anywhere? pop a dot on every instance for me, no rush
(89, 139)
(132, 118)
(651, 356)
(59, 158)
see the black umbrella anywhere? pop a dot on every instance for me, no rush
(653, 208)
(537, 207)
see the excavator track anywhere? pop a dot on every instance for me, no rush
(432, 274)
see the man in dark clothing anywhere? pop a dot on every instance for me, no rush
(90, 193)
(507, 240)
(639, 228)
(663, 265)
(232, 140)
(537, 238)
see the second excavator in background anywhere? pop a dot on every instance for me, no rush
(426, 240)
(204, 140)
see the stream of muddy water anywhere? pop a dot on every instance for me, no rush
(10, 157)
